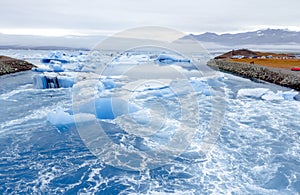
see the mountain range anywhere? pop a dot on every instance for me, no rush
(259, 37)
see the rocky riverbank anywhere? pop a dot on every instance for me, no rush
(278, 76)
(11, 65)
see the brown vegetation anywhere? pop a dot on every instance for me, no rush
(274, 63)
(269, 59)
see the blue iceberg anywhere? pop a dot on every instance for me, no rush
(56, 56)
(170, 59)
(59, 61)
(53, 80)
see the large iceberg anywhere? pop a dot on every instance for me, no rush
(53, 80)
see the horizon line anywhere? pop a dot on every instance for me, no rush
(60, 32)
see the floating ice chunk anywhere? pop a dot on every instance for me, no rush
(131, 59)
(56, 66)
(170, 59)
(289, 95)
(107, 107)
(266, 94)
(108, 83)
(58, 62)
(53, 80)
(254, 93)
(79, 67)
(56, 56)
(42, 68)
(270, 95)
(49, 60)
(200, 85)
(60, 118)
(65, 81)
(110, 108)
(144, 84)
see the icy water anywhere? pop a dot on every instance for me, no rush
(256, 152)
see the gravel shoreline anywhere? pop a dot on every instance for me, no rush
(11, 65)
(277, 76)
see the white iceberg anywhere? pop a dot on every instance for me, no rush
(61, 117)
(266, 94)
(254, 93)
(270, 95)
(130, 59)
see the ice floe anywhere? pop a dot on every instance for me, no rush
(61, 117)
(127, 58)
(266, 94)
(170, 59)
(58, 61)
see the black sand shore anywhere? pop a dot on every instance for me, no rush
(277, 76)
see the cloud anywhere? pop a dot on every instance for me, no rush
(116, 15)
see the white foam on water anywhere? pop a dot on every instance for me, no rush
(21, 89)
(34, 115)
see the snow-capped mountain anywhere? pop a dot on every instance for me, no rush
(268, 36)
(260, 37)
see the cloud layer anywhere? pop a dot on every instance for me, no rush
(115, 15)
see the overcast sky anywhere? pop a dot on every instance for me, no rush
(61, 17)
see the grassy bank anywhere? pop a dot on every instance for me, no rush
(273, 63)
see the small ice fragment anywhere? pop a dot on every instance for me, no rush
(170, 59)
(60, 118)
(289, 95)
(254, 93)
(270, 95)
